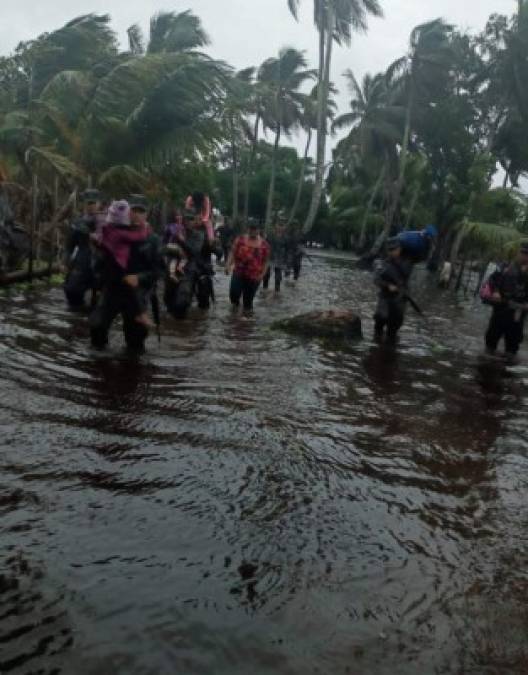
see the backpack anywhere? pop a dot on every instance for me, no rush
(486, 291)
(415, 246)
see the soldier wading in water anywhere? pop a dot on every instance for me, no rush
(392, 277)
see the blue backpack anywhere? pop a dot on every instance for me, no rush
(415, 245)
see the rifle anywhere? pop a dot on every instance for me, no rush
(414, 304)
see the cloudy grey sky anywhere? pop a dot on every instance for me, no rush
(245, 32)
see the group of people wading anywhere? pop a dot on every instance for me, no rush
(116, 257)
(115, 261)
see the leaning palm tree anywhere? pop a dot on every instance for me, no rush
(283, 77)
(335, 21)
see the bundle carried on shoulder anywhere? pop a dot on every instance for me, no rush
(417, 245)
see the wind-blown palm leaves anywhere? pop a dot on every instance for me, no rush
(144, 110)
(377, 125)
(171, 32)
(308, 123)
(234, 115)
(419, 74)
(335, 21)
(377, 120)
(81, 44)
(282, 78)
(489, 240)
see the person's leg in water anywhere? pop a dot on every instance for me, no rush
(236, 290)
(278, 279)
(394, 322)
(250, 289)
(513, 336)
(77, 283)
(135, 333)
(379, 327)
(496, 330)
(381, 316)
(102, 318)
(134, 306)
(266, 279)
(179, 294)
(297, 264)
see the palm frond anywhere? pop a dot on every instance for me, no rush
(491, 238)
(121, 180)
(61, 165)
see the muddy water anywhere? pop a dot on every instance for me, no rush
(238, 501)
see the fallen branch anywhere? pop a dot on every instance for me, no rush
(23, 275)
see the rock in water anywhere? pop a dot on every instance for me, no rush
(332, 324)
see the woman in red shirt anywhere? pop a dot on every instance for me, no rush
(248, 260)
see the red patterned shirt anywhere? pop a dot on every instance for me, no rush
(250, 257)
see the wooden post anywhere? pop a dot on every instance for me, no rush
(461, 274)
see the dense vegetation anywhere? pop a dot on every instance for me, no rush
(423, 141)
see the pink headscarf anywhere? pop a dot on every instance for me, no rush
(116, 238)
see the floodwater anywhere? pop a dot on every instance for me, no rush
(240, 501)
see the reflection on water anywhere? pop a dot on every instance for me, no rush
(241, 501)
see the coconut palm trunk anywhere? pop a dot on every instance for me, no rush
(271, 191)
(370, 206)
(234, 165)
(249, 169)
(326, 42)
(300, 184)
(404, 154)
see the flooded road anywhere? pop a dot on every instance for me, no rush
(239, 501)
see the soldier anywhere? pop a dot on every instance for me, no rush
(79, 251)
(392, 277)
(507, 292)
(139, 270)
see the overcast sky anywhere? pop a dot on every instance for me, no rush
(245, 32)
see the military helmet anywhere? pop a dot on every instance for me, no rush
(139, 202)
(91, 196)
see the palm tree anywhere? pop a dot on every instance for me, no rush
(236, 110)
(171, 32)
(309, 124)
(417, 74)
(257, 104)
(282, 77)
(376, 128)
(335, 20)
(144, 109)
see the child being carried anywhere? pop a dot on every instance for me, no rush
(117, 238)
